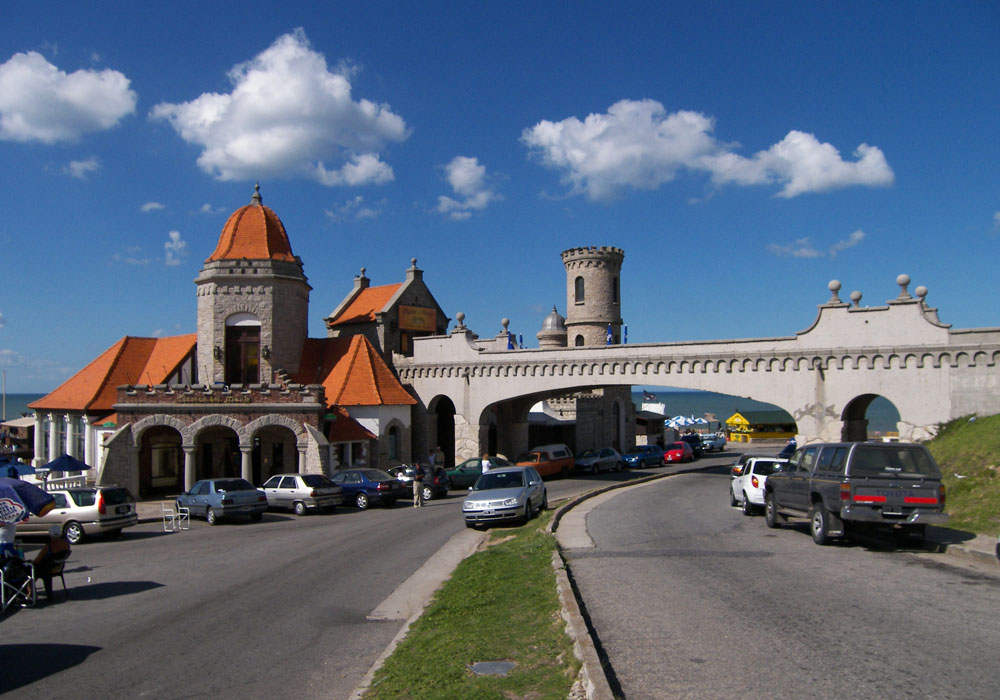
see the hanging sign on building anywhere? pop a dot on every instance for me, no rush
(417, 318)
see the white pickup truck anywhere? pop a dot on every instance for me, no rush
(712, 442)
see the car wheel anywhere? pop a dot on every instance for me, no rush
(545, 503)
(619, 467)
(300, 508)
(747, 506)
(428, 493)
(771, 516)
(73, 532)
(593, 468)
(732, 498)
(819, 524)
(361, 501)
(211, 517)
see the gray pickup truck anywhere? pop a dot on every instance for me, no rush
(844, 485)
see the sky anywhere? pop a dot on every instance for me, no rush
(741, 154)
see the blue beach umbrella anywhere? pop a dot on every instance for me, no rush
(65, 463)
(19, 500)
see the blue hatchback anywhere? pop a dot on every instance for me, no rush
(644, 456)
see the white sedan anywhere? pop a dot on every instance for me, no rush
(747, 489)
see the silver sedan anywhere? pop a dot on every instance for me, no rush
(503, 495)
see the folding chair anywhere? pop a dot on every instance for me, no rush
(174, 520)
(17, 590)
(56, 569)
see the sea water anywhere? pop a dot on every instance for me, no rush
(882, 415)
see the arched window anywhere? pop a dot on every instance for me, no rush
(578, 290)
(579, 341)
(393, 442)
(242, 349)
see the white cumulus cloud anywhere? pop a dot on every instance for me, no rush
(468, 181)
(176, 248)
(638, 144)
(803, 247)
(39, 102)
(81, 168)
(3, 321)
(151, 206)
(288, 114)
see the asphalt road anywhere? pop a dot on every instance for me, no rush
(691, 599)
(274, 609)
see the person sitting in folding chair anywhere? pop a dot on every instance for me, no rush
(51, 558)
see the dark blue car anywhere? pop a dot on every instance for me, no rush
(644, 456)
(365, 487)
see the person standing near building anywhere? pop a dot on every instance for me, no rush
(418, 485)
(486, 462)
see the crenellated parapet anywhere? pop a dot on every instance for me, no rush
(212, 397)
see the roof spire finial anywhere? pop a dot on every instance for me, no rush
(256, 195)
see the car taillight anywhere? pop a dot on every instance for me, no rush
(313, 494)
(845, 492)
(382, 487)
(941, 495)
(262, 498)
(100, 504)
(755, 481)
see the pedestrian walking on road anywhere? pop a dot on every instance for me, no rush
(418, 485)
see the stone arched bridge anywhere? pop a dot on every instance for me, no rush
(824, 376)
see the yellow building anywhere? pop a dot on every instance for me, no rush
(748, 426)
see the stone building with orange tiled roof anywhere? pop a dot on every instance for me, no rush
(249, 394)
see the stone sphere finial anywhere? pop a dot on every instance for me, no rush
(505, 322)
(856, 298)
(834, 287)
(413, 261)
(362, 272)
(903, 281)
(460, 319)
(921, 292)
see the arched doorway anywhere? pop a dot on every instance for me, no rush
(274, 452)
(442, 426)
(161, 462)
(217, 454)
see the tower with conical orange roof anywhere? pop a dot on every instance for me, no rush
(253, 301)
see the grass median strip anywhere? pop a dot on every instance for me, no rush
(500, 605)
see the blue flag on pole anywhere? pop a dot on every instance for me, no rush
(610, 334)
(510, 341)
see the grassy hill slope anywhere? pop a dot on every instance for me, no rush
(969, 456)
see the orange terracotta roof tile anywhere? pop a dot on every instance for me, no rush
(345, 429)
(352, 372)
(94, 388)
(253, 232)
(364, 306)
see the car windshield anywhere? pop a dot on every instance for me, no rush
(528, 457)
(587, 453)
(871, 460)
(499, 480)
(316, 480)
(225, 485)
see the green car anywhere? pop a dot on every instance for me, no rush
(465, 474)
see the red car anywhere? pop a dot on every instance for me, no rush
(678, 452)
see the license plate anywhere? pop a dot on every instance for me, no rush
(892, 511)
(244, 509)
(122, 509)
(488, 511)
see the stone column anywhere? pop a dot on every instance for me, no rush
(189, 467)
(38, 460)
(53, 438)
(71, 436)
(89, 454)
(246, 462)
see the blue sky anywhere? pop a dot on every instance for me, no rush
(742, 154)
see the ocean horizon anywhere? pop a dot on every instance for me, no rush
(17, 404)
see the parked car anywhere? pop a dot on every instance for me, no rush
(436, 480)
(678, 452)
(747, 489)
(605, 459)
(465, 474)
(694, 439)
(548, 460)
(215, 499)
(713, 442)
(85, 511)
(300, 492)
(365, 487)
(506, 494)
(789, 449)
(860, 484)
(642, 456)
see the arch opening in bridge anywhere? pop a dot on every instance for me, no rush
(442, 428)
(869, 416)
